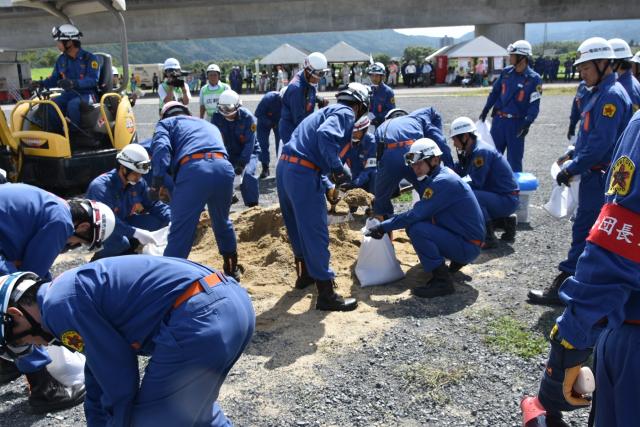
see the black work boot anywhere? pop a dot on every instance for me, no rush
(490, 239)
(265, 171)
(509, 234)
(549, 296)
(439, 285)
(454, 266)
(231, 267)
(329, 300)
(303, 279)
(8, 371)
(48, 394)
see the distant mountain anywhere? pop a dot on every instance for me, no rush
(389, 42)
(578, 31)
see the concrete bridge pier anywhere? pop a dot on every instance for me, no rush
(503, 34)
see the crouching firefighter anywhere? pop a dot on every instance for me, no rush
(447, 222)
(192, 321)
(193, 151)
(490, 177)
(126, 192)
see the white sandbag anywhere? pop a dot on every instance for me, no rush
(157, 249)
(484, 132)
(377, 263)
(66, 366)
(564, 200)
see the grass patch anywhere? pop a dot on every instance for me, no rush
(547, 91)
(512, 336)
(37, 73)
(434, 381)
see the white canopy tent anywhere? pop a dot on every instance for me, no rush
(284, 54)
(480, 47)
(344, 52)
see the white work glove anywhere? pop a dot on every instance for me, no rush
(145, 237)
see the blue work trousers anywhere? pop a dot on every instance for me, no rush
(590, 201)
(503, 132)
(200, 182)
(618, 377)
(69, 103)
(195, 348)
(496, 205)
(117, 244)
(391, 170)
(265, 127)
(301, 192)
(249, 188)
(433, 244)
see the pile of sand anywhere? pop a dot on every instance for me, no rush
(358, 197)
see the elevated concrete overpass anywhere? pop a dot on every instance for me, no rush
(157, 20)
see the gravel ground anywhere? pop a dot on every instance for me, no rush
(433, 363)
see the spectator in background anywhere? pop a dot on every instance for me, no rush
(155, 82)
(133, 83)
(555, 67)
(426, 73)
(568, 69)
(262, 81)
(357, 73)
(393, 74)
(403, 72)
(281, 77)
(479, 72)
(235, 79)
(411, 71)
(346, 73)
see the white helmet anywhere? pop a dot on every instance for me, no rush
(172, 107)
(376, 68)
(316, 63)
(521, 47)
(422, 149)
(114, 71)
(462, 125)
(66, 32)
(636, 58)
(213, 67)
(135, 157)
(362, 123)
(171, 64)
(228, 103)
(15, 284)
(395, 112)
(355, 92)
(621, 49)
(102, 221)
(593, 49)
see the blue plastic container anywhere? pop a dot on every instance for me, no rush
(527, 183)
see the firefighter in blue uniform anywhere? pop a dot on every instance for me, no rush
(148, 177)
(36, 227)
(268, 116)
(314, 150)
(622, 66)
(300, 98)
(393, 140)
(125, 191)
(193, 321)
(603, 303)
(491, 179)
(579, 101)
(76, 71)
(604, 117)
(515, 99)
(238, 128)
(446, 223)
(193, 151)
(382, 96)
(360, 157)
(431, 122)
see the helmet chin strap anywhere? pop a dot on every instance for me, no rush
(600, 71)
(35, 330)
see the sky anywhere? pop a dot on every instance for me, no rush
(437, 31)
